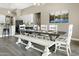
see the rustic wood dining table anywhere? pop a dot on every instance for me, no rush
(50, 34)
(46, 43)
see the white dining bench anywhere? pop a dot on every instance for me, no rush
(46, 43)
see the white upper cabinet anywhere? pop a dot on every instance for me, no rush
(2, 18)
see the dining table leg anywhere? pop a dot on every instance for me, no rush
(46, 51)
(18, 41)
(28, 45)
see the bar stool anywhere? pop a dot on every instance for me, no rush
(5, 32)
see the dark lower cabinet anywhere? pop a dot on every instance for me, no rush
(18, 22)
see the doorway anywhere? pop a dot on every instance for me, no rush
(37, 18)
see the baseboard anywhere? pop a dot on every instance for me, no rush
(6, 35)
(75, 39)
(0, 35)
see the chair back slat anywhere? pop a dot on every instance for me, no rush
(53, 28)
(70, 33)
(22, 27)
(44, 27)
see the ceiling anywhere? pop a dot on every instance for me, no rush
(15, 5)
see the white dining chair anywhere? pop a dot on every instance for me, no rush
(44, 28)
(53, 29)
(63, 43)
(22, 27)
(35, 28)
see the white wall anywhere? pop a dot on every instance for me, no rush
(26, 18)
